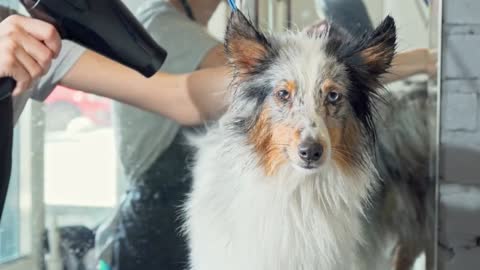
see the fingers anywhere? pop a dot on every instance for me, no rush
(23, 80)
(29, 64)
(40, 30)
(318, 28)
(27, 47)
(36, 49)
(47, 33)
(432, 63)
(13, 68)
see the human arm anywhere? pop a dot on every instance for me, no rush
(186, 98)
(404, 64)
(214, 58)
(412, 62)
(189, 98)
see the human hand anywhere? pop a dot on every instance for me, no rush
(316, 28)
(27, 47)
(430, 63)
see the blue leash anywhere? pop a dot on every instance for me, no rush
(232, 5)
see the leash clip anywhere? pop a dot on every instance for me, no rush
(232, 5)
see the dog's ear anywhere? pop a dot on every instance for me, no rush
(379, 47)
(246, 47)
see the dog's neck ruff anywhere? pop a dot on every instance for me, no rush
(288, 221)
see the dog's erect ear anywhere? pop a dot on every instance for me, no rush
(379, 47)
(245, 46)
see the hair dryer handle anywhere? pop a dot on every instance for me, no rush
(7, 85)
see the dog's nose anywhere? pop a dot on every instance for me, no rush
(310, 151)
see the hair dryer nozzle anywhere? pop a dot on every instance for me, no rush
(104, 26)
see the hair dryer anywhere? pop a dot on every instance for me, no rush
(104, 26)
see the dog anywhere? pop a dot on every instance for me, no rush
(287, 179)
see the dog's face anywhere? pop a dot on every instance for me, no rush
(306, 99)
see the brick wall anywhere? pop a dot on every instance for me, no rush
(459, 216)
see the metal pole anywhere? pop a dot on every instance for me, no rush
(289, 14)
(257, 13)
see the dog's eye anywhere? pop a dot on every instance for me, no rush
(283, 95)
(333, 97)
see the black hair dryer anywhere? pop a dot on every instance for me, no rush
(104, 26)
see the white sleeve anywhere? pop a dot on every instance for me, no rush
(186, 42)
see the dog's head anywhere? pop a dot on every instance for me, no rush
(307, 98)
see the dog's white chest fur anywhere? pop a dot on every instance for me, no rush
(237, 218)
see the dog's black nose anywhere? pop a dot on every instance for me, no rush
(310, 151)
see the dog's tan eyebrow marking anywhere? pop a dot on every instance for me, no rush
(329, 85)
(291, 86)
(288, 85)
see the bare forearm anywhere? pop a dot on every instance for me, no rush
(408, 63)
(187, 98)
(207, 90)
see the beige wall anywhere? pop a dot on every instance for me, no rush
(412, 26)
(218, 22)
(304, 13)
(412, 22)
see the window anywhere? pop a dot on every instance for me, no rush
(22, 227)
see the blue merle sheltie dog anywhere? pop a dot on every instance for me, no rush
(289, 177)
